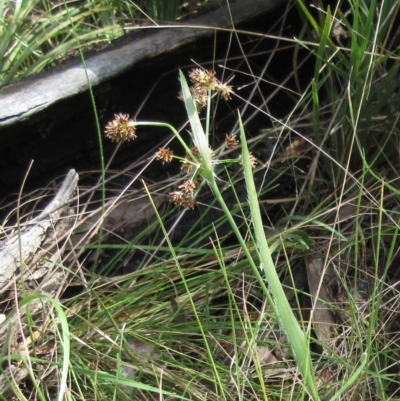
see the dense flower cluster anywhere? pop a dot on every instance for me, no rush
(185, 197)
(188, 187)
(253, 160)
(231, 141)
(188, 164)
(121, 129)
(204, 81)
(205, 78)
(165, 155)
(200, 96)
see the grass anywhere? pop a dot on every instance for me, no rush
(297, 299)
(38, 34)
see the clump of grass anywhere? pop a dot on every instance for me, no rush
(36, 34)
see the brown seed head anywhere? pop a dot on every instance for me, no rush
(182, 199)
(165, 155)
(121, 129)
(231, 141)
(188, 187)
(200, 96)
(225, 90)
(205, 78)
(187, 166)
(253, 161)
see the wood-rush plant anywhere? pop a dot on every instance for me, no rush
(199, 161)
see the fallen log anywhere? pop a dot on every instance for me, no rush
(24, 99)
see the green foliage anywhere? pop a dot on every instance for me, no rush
(355, 74)
(37, 34)
(163, 10)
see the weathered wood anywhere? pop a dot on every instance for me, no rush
(18, 250)
(24, 99)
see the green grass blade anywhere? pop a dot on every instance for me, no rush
(353, 378)
(199, 137)
(295, 335)
(66, 348)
